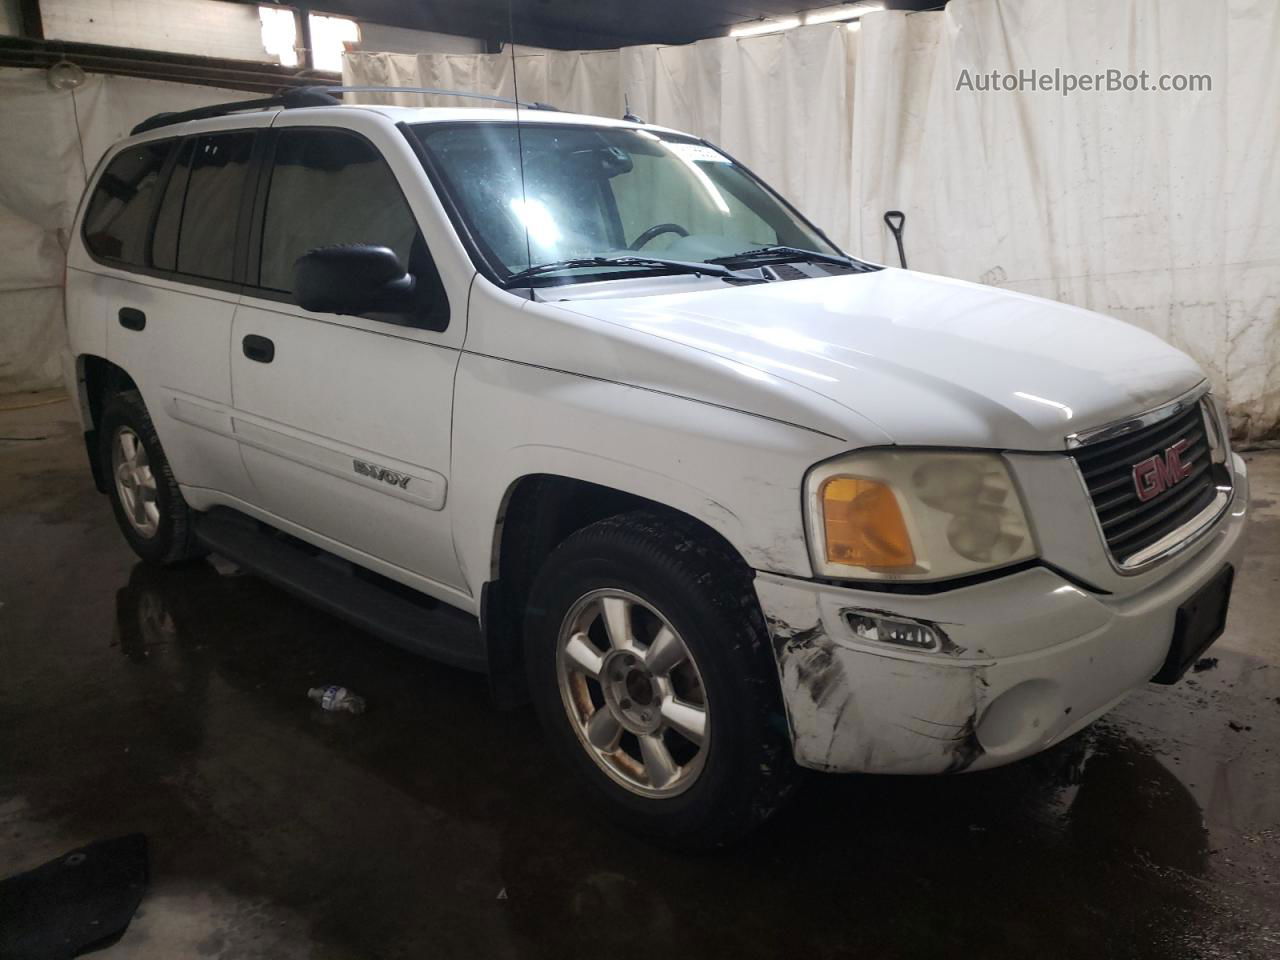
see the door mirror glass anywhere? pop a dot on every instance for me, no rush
(353, 279)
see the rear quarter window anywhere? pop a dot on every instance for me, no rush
(119, 214)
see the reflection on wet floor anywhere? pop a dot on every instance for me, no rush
(175, 703)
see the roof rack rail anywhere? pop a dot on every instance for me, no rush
(316, 96)
(289, 99)
(523, 104)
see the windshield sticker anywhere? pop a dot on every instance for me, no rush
(696, 153)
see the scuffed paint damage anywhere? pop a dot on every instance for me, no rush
(893, 715)
(808, 656)
(1047, 657)
(967, 748)
(959, 740)
(808, 668)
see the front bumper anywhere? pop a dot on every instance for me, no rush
(1032, 659)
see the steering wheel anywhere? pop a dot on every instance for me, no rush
(657, 231)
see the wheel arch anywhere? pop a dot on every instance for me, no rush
(538, 512)
(97, 379)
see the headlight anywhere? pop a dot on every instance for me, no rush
(914, 515)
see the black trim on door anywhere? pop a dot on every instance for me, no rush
(162, 187)
(252, 235)
(248, 206)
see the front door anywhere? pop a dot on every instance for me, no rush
(343, 421)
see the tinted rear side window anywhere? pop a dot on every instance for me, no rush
(218, 165)
(330, 188)
(119, 214)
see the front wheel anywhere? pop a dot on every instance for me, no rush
(651, 672)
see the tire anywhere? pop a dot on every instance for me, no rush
(161, 530)
(666, 576)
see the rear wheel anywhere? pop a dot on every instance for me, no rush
(651, 672)
(149, 507)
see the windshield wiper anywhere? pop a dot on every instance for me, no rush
(776, 251)
(679, 266)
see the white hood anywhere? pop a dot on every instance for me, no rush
(926, 359)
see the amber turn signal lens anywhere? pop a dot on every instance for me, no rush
(864, 527)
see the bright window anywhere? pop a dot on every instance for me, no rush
(329, 35)
(280, 34)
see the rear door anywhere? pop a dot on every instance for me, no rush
(162, 227)
(344, 421)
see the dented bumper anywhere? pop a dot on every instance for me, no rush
(1029, 659)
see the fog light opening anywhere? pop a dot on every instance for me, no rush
(910, 634)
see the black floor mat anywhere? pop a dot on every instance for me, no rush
(81, 901)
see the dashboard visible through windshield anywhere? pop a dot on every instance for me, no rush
(588, 196)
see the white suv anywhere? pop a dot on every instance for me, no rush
(620, 427)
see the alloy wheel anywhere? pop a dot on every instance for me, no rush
(633, 693)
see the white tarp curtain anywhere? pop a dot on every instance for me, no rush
(50, 140)
(1161, 208)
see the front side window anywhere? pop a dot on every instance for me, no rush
(604, 192)
(119, 212)
(330, 188)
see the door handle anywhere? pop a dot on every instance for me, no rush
(132, 319)
(259, 348)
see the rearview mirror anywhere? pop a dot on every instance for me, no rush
(604, 161)
(353, 279)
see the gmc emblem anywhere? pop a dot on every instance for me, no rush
(1157, 474)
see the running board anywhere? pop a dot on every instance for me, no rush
(428, 628)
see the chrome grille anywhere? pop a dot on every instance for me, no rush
(1129, 524)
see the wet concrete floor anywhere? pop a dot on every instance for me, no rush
(174, 703)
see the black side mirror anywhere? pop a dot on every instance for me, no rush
(353, 279)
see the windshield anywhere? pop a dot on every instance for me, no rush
(601, 192)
